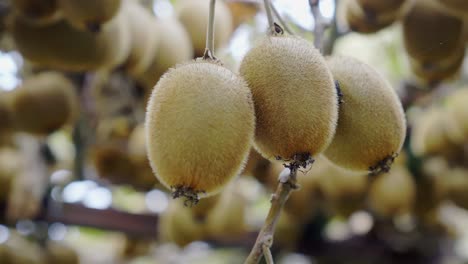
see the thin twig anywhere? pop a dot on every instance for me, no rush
(281, 20)
(209, 50)
(329, 42)
(271, 21)
(267, 253)
(287, 184)
(320, 24)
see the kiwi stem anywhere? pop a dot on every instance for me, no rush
(209, 50)
(271, 22)
(287, 183)
(281, 20)
(320, 24)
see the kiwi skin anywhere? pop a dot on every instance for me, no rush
(174, 48)
(366, 22)
(430, 34)
(193, 14)
(35, 11)
(89, 14)
(200, 124)
(378, 6)
(295, 97)
(371, 125)
(62, 47)
(44, 103)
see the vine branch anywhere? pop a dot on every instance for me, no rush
(287, 183)
(209, 50)
(320, 24)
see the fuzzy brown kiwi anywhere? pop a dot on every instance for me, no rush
(143, 38)
(112, 163)
(227, 217)
(357, 19)
(458, 110)
(89, 14)
(456, 7)
(343, 190)
(193, 14)
(371, 124)
(38, 12)
(60, 46)
(58, 253)
(393, 194)
(379, 6)
(435, 72)
(199, 127)
(174, 48)
(295, 97)
(44, 103)
(430, 34)
(178, 225)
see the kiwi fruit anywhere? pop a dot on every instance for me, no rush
(357, 19)
(392, 194)
(455, 7)
(59, 253)
(174, 48)
(227, 218)
(296, 101)
(242, 11)
(379, 6)
(44, 103)
(199, 128)
(429, 134)
(371, 125)
(429, 34)
(456, 184)
(37, 12)
(178, 225)
(193, 14)
(144, 41)
(458, 110)
(344, 191)
(112, 163)
(89, 14)
(205, 206)
(62, 47)
(436, 72)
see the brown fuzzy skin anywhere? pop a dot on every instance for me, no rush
(60, 46)
(174, 48)
(143, 38)
(393, 194)
(442, 70)
(200, 123)
(193, 14)
(177, 224)
(366, 22)
(44, 103)
(295, 97)
(44, 11)
(371, 123)
(430, 34)
(89, 14)
(343, 190)
(379, 6)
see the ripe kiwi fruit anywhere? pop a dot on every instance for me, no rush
(430, 34)
(438, 71)
(60, 46)
(344, 191)
(371, 124)
(227, 217)
(357, 19)
(392, 194)
(44, 103)
(89, 14)
(59, 253)
(295, 97)
(37, 12)
(199, 127)
(143, 40)
(178, 225)
(193, 14)
(174, 48)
